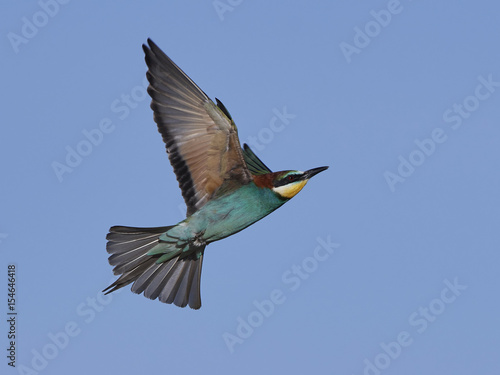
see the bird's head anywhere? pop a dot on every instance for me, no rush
(287, 184)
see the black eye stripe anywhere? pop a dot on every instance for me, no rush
(287, 180)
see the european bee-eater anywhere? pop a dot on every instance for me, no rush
(226, 189)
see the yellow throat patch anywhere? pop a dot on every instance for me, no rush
(290, 190)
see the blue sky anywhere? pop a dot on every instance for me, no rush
(387, 263)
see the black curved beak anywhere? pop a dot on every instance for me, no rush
(312, 172)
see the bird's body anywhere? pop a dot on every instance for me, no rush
(226, 189)
(229, 214)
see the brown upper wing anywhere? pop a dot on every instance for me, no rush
(202, 142)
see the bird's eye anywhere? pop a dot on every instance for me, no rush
(291, 178)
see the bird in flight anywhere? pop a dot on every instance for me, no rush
(226, 188)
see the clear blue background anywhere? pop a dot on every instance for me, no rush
(397, 248)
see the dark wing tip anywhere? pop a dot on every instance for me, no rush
(155, 54)
(147, 47)
(156, 50)
(254, 164)
(151, 44)
(223, 109)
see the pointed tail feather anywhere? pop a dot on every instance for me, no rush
(176, 280)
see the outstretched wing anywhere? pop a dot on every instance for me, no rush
(254, 164)
(201, 140)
